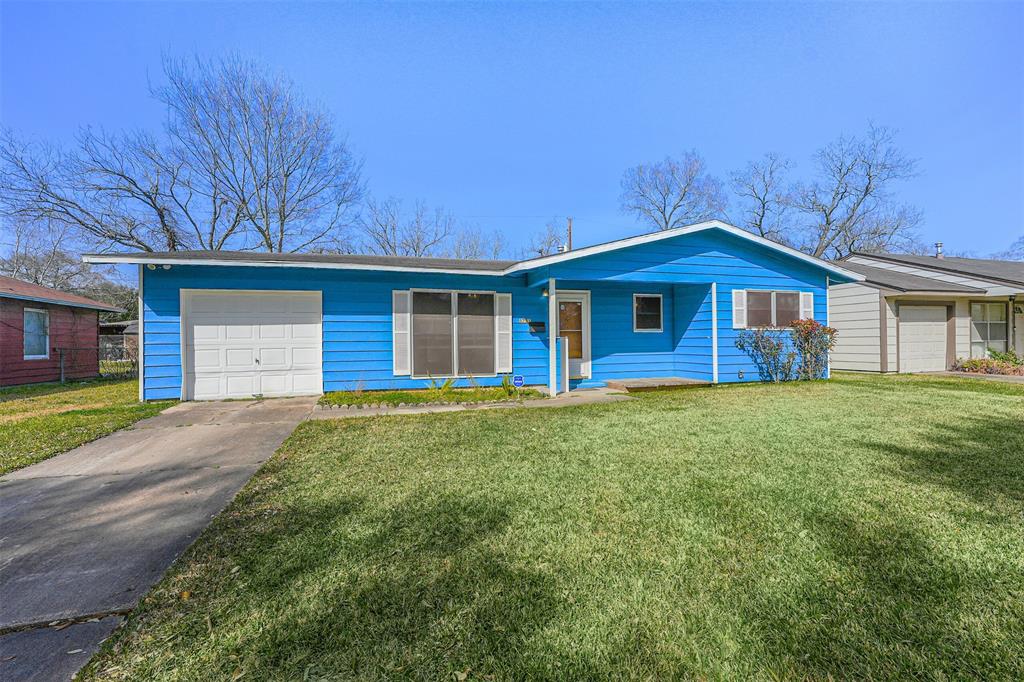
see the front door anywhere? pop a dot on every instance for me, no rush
(574, 324)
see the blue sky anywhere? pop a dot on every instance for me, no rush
(511, 114)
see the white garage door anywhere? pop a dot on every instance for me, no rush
(922, 338)
(245, 343)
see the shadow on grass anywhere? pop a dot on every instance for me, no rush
(979, 457)
(892, 607)
(895, 597)
(424, 592)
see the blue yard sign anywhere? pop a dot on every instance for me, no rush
(518, 381)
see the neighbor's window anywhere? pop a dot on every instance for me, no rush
(37, 334)
(452, 330)
(988, 328)
(772, 308)
(647, 313)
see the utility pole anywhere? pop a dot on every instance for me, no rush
(569, 245)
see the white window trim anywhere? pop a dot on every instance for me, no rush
(661, 314)
(46, 314)
(455, 334)
(774, 325)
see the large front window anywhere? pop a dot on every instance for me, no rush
(452, 330)
(988, 328)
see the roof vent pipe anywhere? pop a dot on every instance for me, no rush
(938, 250)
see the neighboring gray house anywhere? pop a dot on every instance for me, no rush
(921, 313)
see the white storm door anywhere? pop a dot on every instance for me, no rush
(241, 344)
(574, 324)
(922, 338)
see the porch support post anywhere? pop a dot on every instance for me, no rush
(552, 335)
(714, 332)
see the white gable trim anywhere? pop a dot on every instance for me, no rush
(677, 232)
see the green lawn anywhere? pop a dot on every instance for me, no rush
(866, 527)
(43, 420)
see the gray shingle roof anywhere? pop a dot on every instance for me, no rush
(346, 259)
(901, 281)
(1008, 271)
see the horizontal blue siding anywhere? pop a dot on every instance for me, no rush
(357, 342)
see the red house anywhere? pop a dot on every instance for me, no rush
(42, 329)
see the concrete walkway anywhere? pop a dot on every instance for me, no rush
(586, 396)
(1000, 378)
(84, 535)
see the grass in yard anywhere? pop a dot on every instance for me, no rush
(865, 527)
(43, 420)
(453, 395)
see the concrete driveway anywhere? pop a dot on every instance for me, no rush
(84, 535)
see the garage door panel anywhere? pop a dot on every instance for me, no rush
(923, 338)
(240, 345)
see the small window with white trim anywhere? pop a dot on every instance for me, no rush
(647, 313)
(36, 334)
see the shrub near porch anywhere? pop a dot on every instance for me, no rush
(760, 531)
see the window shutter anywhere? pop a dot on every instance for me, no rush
(503, 333)
(806, 305)
(401, 305)
(739, 308)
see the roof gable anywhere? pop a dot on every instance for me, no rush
(711, 225)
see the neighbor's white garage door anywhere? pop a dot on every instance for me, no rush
(922, 338)
(244, 343)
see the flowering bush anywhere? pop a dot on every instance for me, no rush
(812, 342)
(803, 355)
(988, 366)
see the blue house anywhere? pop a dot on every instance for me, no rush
(217, 325)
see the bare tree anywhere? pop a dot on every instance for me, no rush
(673, 192)
(387, 230)
(245, 162)
(1015, 252)
(763, 197)
(262, 154)
(475, 244)
(850, 206)
(39, 253)
(546, 242)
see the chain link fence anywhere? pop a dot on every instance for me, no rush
(113, 358)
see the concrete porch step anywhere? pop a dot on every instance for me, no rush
(653, 383)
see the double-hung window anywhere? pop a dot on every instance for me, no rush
(988, 328)
(767, 308)
(453, 333)
(36, 334)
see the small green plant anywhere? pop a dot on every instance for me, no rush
(508, 387)
(1008, 356)
(441, 389)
